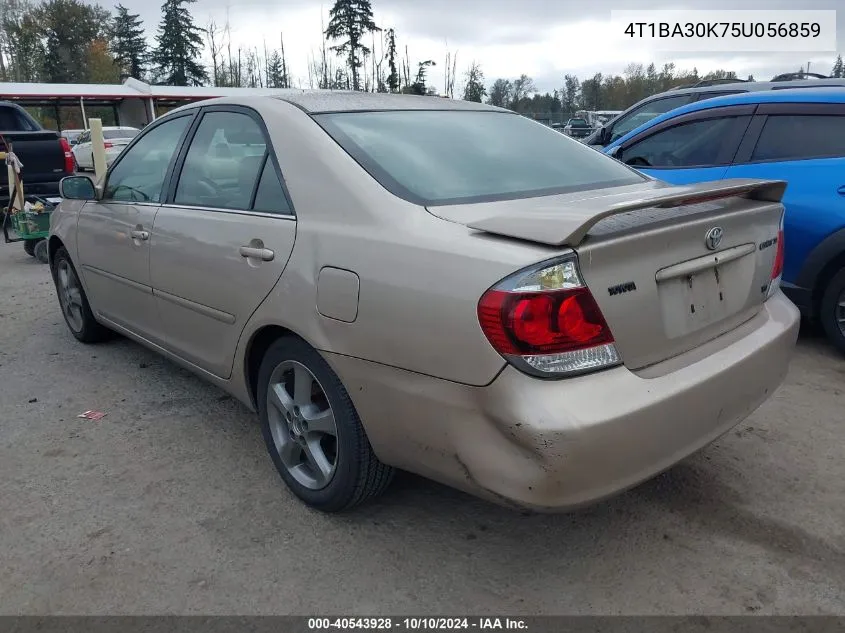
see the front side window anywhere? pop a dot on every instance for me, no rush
(796, 137)
(139, 174)
(694, 144)
(645, 113)
(223, 162)
(450, 156)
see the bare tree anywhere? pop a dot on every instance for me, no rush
(449, 74)
(215, 37)
(406, 68)
(285, 75)
(266, 66)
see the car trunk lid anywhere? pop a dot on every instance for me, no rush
(651, 258)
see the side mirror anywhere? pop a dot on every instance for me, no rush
(604, 135)
(77, 188)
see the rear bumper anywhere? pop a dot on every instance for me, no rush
(555, 445)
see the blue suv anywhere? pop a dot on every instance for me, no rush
(792, 135)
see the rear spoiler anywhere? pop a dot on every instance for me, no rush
(568, 225)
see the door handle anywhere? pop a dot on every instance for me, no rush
(251, 252)
(841, 190)
(139, 234)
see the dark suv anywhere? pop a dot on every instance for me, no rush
(650, 107)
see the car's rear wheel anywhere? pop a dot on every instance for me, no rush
(313, 432)
(832, 310)
(73, 301)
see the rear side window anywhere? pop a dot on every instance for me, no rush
(795, 137)
(694, 144)
(451, 156)
(270, 197)
(126, 133)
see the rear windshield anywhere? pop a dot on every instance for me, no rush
(13, 120)
(577, 122)
(451, 156)
(120, 133)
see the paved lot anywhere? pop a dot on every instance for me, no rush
(170, 505)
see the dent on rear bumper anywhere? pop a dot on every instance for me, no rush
(554, 445)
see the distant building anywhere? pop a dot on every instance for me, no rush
(132, 103)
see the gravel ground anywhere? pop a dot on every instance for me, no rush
(170, 504)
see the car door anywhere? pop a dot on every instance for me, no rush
(113, 236)
(222, 239)
(691, 148)
(803, 144)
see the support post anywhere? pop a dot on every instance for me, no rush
(98, 148)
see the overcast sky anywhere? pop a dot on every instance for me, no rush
(544, 39)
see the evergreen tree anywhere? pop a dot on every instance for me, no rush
(276, 76)
(838, 68)
(129, 46)
(349, 21)
(179, 46)
(474, 89)
(392, 78)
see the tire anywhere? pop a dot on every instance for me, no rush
(29, 247)
(832, 309)
(81, 323)
(40, 252)
(357, 474)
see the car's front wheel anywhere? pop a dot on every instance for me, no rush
(832, 310)
(73, 301)
(313, 432)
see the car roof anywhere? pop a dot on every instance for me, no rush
(796, 95)
(323, 101)
(751, 86)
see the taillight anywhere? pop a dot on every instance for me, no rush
(545, 321)
(68, 155)
(108, 145)
(777, 266)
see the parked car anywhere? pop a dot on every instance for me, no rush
(114, 139)
(792, 135)
(71, 135)
(577, 128)
(392, 286)
(45, 155)
(655, 105)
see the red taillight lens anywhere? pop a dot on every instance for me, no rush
(777, 268)
(546, 322)
(108, 145)
(68, 155)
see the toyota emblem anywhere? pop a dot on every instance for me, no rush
(713, 238)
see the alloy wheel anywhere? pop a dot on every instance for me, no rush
(302, 424)
(70, 295)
